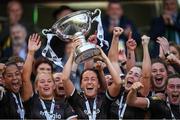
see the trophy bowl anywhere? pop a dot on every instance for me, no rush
(77, 24)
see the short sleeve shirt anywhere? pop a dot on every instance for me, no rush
(103, 103)
(34, 109)
(130, 112)
(158, 109)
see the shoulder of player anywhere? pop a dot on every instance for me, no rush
(156, 98)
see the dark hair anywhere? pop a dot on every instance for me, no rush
(3, 60)
(40, 61)
(93, 70)
(13, 1)
(16, 59)
(176, 75)
(158, 60)
(113, 2)
(173, 76)
(166, 0)
(9, 63)
(60, 10)
(175, 45)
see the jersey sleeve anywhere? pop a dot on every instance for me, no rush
(28, 105)
(69, 112)
(75, 100)
(158, 108)
(109, 97)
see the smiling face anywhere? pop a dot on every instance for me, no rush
(159, 76)
(173, 90)
(108, 79)
(132, 76)
(90, 84)
(59, 84)
(12, 78)
(45, 85)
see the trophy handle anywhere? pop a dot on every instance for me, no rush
(95, 14)
(46, 31)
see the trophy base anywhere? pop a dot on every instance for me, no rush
(85, 52)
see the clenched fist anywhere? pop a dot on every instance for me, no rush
(145, 40)
(136, 86)
(117, 31)
(131, 43)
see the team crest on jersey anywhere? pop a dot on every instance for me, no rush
(97, 111)
(54, 115)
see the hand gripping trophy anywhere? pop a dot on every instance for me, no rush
(75, 24)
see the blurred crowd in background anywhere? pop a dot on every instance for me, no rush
(163, 42)
(15, 30)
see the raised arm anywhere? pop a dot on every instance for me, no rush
(131, 46)
(115, 86)
(133, 100)
(164, 44)
(113, 51)
(146, 67)
(33, 45)
(99, 66)
(68, 85)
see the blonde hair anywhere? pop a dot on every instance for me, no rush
(37, 78)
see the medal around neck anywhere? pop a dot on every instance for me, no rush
(76, 24)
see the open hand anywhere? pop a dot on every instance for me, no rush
(34, 43)
(163, 43)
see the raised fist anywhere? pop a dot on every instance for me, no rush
(145, 40)
(117, 31)
(131, 43)
(137, 86)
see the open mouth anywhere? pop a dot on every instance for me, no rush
(61, 88)
(90, 89)
(175, 95)
(46, 89)
(109, 82)
(159, 80)
(129, 82)
(15, 84)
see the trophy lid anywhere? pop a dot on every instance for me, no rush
(66, 27)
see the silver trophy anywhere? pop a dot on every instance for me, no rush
(77, 24)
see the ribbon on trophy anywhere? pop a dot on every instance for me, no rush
(100, 31)
(58, 30)
(53, 57)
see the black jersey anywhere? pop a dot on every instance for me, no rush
(158, 108)
(103, 103)
(8, 106)
(34, 109)
(121, 110)
(176, 111)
